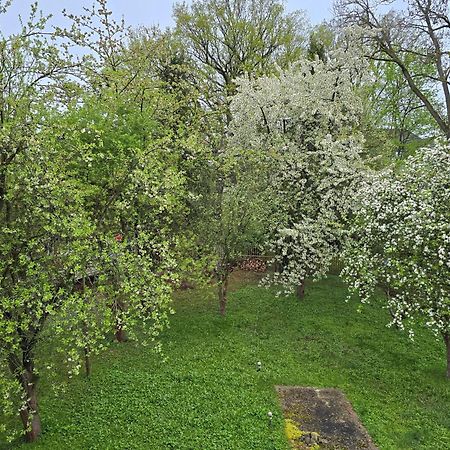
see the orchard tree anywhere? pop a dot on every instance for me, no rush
(93, 202)
(35, 270)
(400, 240)
(305, 120)
(244, 216)
(31, 70)
(141, 134)
(134, 193)
(44, 243)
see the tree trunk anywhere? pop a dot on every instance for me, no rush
(300, 291)
(120, 334)
(87, 361)
(222, 290)
(4, 203)
(118, 309)
(2, 186)
(447, 347)
(29, 414)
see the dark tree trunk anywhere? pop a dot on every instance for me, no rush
(5, 205)
(277, 266)
(300, 291)
(87, 361)
(2, 186)
(222, 290)
(29, 414)
(447, 348)
(118, 308)
(87, 352)
(120, 334)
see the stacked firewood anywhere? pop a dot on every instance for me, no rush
(253, 264)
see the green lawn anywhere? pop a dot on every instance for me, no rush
(208, 395)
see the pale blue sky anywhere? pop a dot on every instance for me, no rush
(139, 12)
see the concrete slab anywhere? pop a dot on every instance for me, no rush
(321, 419)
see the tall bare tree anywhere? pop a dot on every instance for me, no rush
(416, 39)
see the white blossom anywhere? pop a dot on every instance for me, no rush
(303, 121)
(400, 241)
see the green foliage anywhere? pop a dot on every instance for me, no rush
(395, 122)
(244, 35)
(322, 40)
(410, 42)
(395, 386)
(225, 40)
(118, 181)
(43, 221)
(228, 39)
(112, 161)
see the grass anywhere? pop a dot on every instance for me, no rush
(209, 395)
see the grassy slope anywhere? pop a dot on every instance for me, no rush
(208, 395)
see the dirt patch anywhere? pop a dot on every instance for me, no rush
(239, 278)
(321, 419)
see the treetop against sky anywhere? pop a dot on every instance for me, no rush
(138, 12)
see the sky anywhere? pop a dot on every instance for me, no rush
(137, 12)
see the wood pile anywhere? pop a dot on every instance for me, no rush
(253, 264)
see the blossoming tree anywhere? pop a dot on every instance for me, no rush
(71, 179)
(304, 120)
(400, 240)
